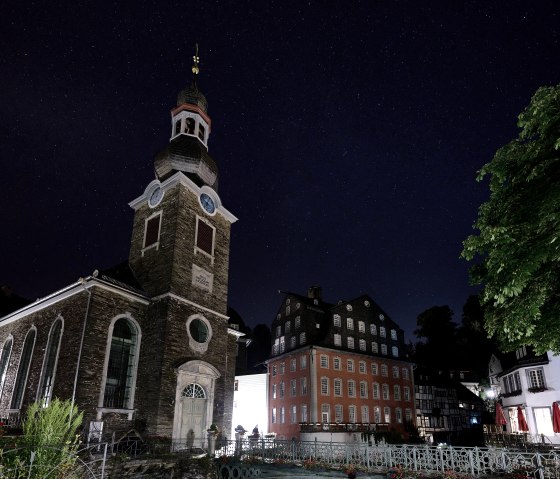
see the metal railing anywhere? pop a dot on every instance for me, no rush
(380, 457)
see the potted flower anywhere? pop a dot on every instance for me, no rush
(213, 429)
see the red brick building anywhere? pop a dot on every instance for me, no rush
(337, 368)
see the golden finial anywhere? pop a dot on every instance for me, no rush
(196, 59)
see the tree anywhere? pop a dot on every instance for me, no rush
(516, 252)
(436, 327)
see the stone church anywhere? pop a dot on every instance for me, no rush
(144, 345)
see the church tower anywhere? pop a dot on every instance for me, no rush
(179, 254)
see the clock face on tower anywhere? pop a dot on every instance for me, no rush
(207, 203)
(155, 197)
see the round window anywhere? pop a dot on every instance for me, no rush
(198, 330)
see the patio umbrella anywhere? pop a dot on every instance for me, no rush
(555, 417)
(500, 418)
(521, 422)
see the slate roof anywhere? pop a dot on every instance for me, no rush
(122, 275)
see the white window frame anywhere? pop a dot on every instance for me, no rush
(45, 401)
(130, 410)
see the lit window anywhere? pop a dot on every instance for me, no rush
(350, 342)
(121, 364)
(535, 378)
(336, 320)
(274, 391)
(282, 415)
(377, 414)
(293, 416)
(349, 307)
(303, 410)
(387, 413)
(361, 327)
(273, 416)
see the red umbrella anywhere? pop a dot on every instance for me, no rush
(500, 418)
(521, 422)
(555, 417)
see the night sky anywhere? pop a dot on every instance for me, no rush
(348, 136)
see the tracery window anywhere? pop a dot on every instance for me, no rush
(195, 391)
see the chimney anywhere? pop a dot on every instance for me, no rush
(315, 292)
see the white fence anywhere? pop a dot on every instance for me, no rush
(468, 460)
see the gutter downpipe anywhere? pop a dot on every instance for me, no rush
(82, 281)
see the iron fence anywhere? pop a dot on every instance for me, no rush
(468, 460)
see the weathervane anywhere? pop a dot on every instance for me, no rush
(196, 59)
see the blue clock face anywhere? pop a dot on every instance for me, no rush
(155, 197)
(207, 203)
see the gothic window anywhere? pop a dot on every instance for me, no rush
(49, 364)
(121, 365)
(205, 237)
(4, 360)
(23, 369)
(195, 391)
(152, 229)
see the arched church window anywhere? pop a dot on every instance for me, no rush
(189, 126)
(121, 366)
(23, 370)
(49, 364)
(4, 360)
(195, 391)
